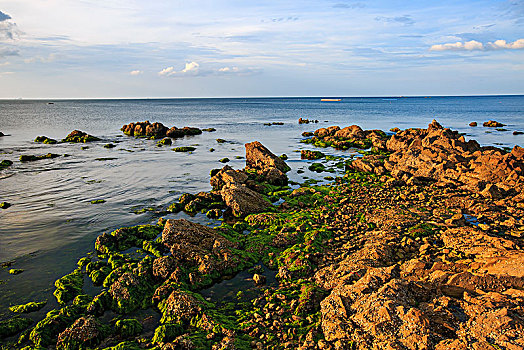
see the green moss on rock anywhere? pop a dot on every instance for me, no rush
(184, 149)
(14, 326)
(69, 286)
(128, 327)
(29, 307)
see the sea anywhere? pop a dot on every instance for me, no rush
(52, 223)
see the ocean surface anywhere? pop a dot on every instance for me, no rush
(52, 223)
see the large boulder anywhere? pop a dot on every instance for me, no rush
(244, 201)
(258, 157)
(227, 176)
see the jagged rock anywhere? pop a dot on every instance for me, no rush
(259, 157)
(244, 201)
(227, 176)
(200, 246)
(85, 332)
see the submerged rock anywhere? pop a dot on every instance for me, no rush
(77, 136)
(493, 124)
(32, 158)
(46, 140)
(29, 307)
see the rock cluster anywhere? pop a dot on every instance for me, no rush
(444, 156)
(157, 130)
(348, 137)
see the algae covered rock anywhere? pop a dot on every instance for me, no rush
(13, 326)
(85, 333)
(5, 205)
(130, 292)
(69, 286)
(5, 163)
(46, 140)
(128, 327)
(77, 136)
(184, 149)
(29, 307)
(32, 158)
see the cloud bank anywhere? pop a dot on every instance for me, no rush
(476, 45)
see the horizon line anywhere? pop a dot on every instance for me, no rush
(244, 97)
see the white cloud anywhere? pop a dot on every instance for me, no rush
(191, 68)
(136, 72)
(502, 44)
(458, 46)
(475, 45)
(228, 70)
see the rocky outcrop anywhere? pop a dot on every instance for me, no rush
(157, 130)
(349, 137)
(445, 156)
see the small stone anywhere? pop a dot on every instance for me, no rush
(259, 279)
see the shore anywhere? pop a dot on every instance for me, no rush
(418, 245)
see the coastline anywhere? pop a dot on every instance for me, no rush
(370, 253)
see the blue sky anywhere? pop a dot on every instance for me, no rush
(160, 48)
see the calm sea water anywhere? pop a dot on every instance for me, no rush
(51, 222)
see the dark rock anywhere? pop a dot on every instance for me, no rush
(473, 124)
(77, 136)
(493, 124)
(243, 201)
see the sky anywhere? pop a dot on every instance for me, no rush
(173, 48)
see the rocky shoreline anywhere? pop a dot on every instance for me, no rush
(417, 246)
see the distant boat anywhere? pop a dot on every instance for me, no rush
(50, 103)
(330, 99)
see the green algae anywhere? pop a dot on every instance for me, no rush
(69, 286)
(98, 201)
(224, 160)
(15, 271)
(29, 307)
(317, 167)
(46, 140)
(128, 327)
(167, 332)
(184, 149)
(13, 326)
(422, 230)
(126, 345)
(5, 163)
(32, 158)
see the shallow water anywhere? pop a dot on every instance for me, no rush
(51, 222)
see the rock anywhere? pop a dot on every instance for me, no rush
(179, 306)
(518, 132)
(306, 121)
(307, 134)
(259, 279)
(185, 131)
(395, 129)
(473, 124)
(46, 140)
(311, 155)
(85, 332)
(165, 142)
(493, 124)
(32, 158)
(184, 149)
(350, 132)
(243, 201)
(156, 130)
(29, 307)
(228, 176)
(1, 134)
(5, 205)
(200, 246)
(77, 136)
(224, 160)
(274, 177)
(5, 163)
(259, 157)
(13, 326)
(130, 292)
